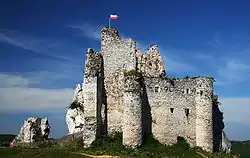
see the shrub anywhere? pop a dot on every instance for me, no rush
(75, 105)
(132, 73)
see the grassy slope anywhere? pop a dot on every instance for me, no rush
(151, 148)
(112, 146)
(242, 148)
(37, 153)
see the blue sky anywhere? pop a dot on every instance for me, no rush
(43, 44)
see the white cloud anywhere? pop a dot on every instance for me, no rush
(56, 48)
(34, 99)
(232, 72)
(176, 67)
(227, 69)
(204, 57)
(236, 109)
(12, 81)
(88, 30)
(15, 95)
(24, 91)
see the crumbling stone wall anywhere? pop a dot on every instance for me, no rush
(150, 63)
(92, 96)
(118, 56)
(182, 108)
(167, 108)
(173, 109)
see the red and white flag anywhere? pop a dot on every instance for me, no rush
(113, 17)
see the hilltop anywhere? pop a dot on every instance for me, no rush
(112, 146)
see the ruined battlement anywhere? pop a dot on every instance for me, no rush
(127, 90)
(109, 35)
(93, 63)
(189, 86)
(118, 54)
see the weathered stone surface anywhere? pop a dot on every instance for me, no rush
(75, 120)
(78, 95)
(150, 64)
(85, 114)
(75, 113)
(33, 130)
(132, 112)
(168, 108)
(225, 143)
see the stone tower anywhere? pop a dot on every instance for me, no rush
(118, 56)
(132, 111)
(204, 115)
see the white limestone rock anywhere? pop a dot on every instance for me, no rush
(75, 113)
(78, 94)
(75, 120)
(89, 134)
(33, 130)
(225, 143)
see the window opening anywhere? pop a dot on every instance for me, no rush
(201, 93)
(156, 89)
(187, 112)
(171, 110)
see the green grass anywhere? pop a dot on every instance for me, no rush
(5, 139)
(37, 153)
(151, 149)
(132, 73)
(242, 148)
(113, 146)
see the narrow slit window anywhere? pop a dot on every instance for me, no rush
(187, 112)
(171, 110)
(187, 90)
(201, 93)
(156, 89)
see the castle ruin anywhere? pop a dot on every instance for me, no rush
(127, 90)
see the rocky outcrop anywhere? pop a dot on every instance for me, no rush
(33, 130)
(75, 118)
(78, 95)
(225, 143)
(75, 113)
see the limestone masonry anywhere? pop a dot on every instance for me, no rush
(127, 90)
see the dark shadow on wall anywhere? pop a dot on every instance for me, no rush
(218, 124)
(102, 128)
(105, 113)
(180, 139)
(146, 112)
